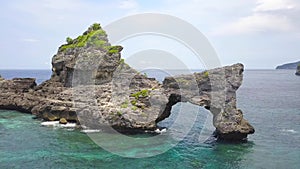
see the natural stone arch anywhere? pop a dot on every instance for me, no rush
(216, 91)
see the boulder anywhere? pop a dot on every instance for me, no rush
(63, 121)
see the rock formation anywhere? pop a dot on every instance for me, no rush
(298, 70)
(91, 85)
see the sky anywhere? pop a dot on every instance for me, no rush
(261, 34)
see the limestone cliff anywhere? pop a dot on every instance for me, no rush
(91, 85)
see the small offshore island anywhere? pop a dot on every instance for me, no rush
(92, 86)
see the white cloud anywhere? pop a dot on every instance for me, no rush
(267, 16)
(31, 40)
(128, 4)
(62, 5)
(272, 5)
(256, 23)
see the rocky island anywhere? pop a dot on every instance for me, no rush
(93, 86)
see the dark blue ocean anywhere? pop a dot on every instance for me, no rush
(270, 100)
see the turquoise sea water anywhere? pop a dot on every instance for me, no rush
(270, 100)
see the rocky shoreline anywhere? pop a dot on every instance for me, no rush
(93, 86)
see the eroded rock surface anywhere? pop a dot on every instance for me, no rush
(91, 85)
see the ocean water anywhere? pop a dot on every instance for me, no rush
(270, 100)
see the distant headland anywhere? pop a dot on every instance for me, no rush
(289, 65)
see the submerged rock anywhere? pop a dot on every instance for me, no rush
(92, 86)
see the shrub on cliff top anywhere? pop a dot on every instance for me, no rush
(96, 26)
(69, 40)
(89, 37)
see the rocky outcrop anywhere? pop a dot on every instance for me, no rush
(298, 70)
(15, 94)
(91, 85)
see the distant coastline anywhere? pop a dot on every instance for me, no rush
(292, 65)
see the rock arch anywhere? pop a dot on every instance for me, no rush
(216, 91)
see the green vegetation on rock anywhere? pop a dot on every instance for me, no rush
(91, 37)
(122, 61)
(113, 49)
(96, 26)
(119, 113)
(69, 40)
(206, 74)
(142, 93)
(134, 108)
(133, 102)
(124, 105)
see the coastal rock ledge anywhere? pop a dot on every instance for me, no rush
(93, 86)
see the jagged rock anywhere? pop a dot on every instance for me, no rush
(88, 55)
(298, 70)
(92, 86)
(15, 94)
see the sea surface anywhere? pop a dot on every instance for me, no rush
(270, 100)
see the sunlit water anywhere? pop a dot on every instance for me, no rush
(270, 101)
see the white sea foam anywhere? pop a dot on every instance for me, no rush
(57, 124)
(160, 131)
(289, 131)
(68, 125)
(90, 131)
(50, 123)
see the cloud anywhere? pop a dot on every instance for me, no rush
(128, 4)
(31, 40)
(257, 23)
(272, 5)
(266, 16)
